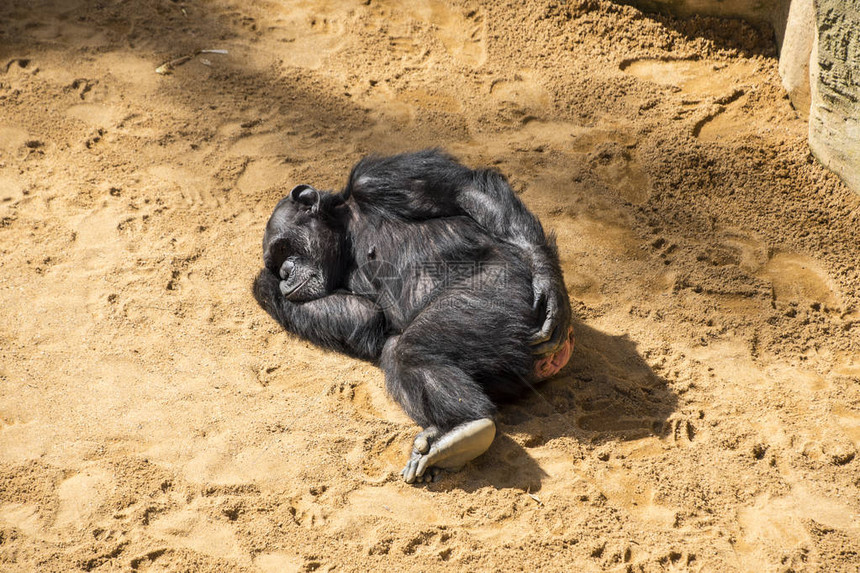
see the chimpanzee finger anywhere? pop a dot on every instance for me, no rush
(552, 345)
(410, 470)
(422, 466)
(548, 328)
(544, 334)
(539, 297)
(266, 286)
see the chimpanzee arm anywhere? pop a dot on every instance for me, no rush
(346, 323)
(431, 184)
(491, 202)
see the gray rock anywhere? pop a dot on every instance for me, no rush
(834, 118)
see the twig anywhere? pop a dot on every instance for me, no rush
(168, 66)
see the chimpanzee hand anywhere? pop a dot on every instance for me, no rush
(267, 291)
(551, 299)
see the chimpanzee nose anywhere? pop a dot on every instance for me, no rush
(286, 269)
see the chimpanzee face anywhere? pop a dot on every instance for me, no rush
(303, 244)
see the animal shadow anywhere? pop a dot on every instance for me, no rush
(606, 393)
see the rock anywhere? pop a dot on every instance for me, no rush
(794, 54)
(834, 118)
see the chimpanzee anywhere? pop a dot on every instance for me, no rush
(436, 273)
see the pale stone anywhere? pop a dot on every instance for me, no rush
(794, 54)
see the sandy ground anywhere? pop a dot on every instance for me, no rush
(152, 417)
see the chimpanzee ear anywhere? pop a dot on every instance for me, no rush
(305, 195)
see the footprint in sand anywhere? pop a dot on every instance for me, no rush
(22, 440)
(98, 102)
(610, 152)
(177, 182)
(713, 92)
(381, 456)
(98, 235)
(695, 78)
(404, 44)
(370, 400)
(462, 33)
(96, 114)
(255, 176)
(734, 247)
(262, 144)
(429, 542)
(14, 192)
(384, 453)
(519, 98)
(308, 34)
(624, 489)
(221, 459)
(18, 76)
(81, 496)
(90, 103)
(773, 527)
(618, 166)
(390, 502)
(460, 30)
(190, 528)
(14, 142)
(64, 31)
(680, 430)
(849, 422)
(436, 100)
(279, 562)
(24, 518)
(307, 510)
(796, 278)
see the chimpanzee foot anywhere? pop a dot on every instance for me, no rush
(433, 451)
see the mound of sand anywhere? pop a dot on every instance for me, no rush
(152, 417)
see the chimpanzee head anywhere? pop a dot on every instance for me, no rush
(304, 242)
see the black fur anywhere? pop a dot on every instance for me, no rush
(424, 267)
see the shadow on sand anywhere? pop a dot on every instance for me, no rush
(607, 393)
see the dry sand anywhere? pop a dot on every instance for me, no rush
(152, 417)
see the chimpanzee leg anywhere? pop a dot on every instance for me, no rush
(434, 451)
(453, 409)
